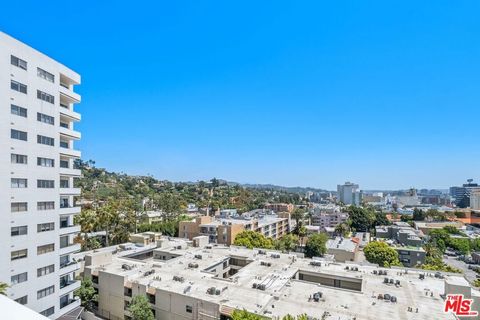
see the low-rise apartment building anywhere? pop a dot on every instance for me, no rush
(410, 256)
(426, 227)
(401, 232)
(184, 282)
(280, 207)
(224, 230)
(328, 220)
(343, 249)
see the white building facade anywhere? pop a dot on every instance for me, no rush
(349, 194)
(37, 175)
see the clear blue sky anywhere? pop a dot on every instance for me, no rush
(382, 93)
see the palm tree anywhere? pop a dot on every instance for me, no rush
(3, 288)
(298, 216)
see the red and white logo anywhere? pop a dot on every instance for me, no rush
(459, 305)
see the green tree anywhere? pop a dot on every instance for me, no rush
(252, 239)
(316, 245)
(117, 218)
(139, 308)
(245, 315)
(381, 254)
(439, 238)
(459, 244)
(287, 243)
(298, 215)
(342, 229)
(381, 219)
(418, 215)
(87, 294)
(3, 288)
(90, 243)
(361, 219)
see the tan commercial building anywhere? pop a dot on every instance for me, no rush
(183, 282)
(224, 231)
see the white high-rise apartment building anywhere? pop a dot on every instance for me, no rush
(349, 194)
(37, 179)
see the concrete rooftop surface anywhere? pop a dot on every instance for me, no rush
(289, 282)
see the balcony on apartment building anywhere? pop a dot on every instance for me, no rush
(68, 246)
(68, 284)
(67, 132)
(68, 303)
(67, 227)
(66, 89)
(68, 265)
(66, 187)
(66, 207)
(66, 148)
(67, 168)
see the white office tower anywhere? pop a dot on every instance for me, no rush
(37, 171)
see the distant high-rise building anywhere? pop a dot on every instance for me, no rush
(475, 200)
(37, 172)
(349, 193)
(462, 194)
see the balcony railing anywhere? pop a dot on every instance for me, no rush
(66, 283)
(66, 264)
(67, 302)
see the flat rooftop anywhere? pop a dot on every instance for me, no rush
(288, 288)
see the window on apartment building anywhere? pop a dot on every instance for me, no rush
(45, 140)
(188, 309)
(46, 184)
(18, 111)
(45, 118)
(64, 183)
(18, 183)
(43, 227)
(45, 75)
(64, 125)
(45, 97)
(19, 278)
(17, 86)
(45, 162)
(22, 300)
(19, 135)
(45, 205)
(18, 254)
(151, 298)
(45, 292)
(45, 270)
(18, 206)
(64, 164)
(127, 291)
(18, 231)
(18, 158)
(64, 144)
(45, 249)
(47, 312)
(17, 62)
